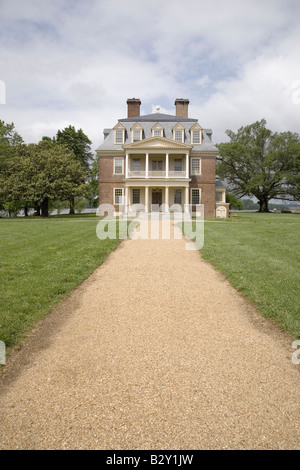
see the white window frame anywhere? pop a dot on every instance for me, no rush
(115, 197)
(157, 130)
(122, 170)
(136, 133)
(178, 133)
(119, 134)
(199, 196)
(192, 170)
(196, 128)
(196, 140)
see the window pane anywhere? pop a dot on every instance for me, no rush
(136, 136)
(195, 166)
(157, 132)
(119, 136)
(177, 196)
(136, 196)
(178, 136)
(196, 137)
(178, 165)
(118, 165)
(136, 164)
(118, 196)
(195, 196)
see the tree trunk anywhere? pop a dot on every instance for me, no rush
(37, 209)
(26, 211)
(263, 205)
(72, 206)
(44, 207)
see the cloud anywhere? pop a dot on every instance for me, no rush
(70, 62)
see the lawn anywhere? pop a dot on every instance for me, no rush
(40, 262)
(260, 256)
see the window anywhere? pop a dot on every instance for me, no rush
(196, 167)
(119, 134)
(196, 137)
(119, 137)
(177, 196)
(136, 136)
(157, 130)
(118, 196)
(136, 132)
(195, 196)
(156, 164)
(178, 132)
(135, 196)
(118, 166)
(178, 136)
(196, 134)
(178, 164)
(136, 164)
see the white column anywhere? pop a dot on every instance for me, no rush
(224, 196)
(147, 165)
(126, 200)
(187, 170)
(126, 166)
(167, 165)
(167, 199)
(186, 200)
(147, 198)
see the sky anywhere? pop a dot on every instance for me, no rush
(69, 62)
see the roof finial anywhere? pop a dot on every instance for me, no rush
(157, 109)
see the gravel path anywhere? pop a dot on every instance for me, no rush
(154, 351)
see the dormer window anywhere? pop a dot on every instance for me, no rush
(119, 134)
(157, 130)
(136, 133)
(178, 133)
(196, 134)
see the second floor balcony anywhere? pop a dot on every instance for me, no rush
(157, 167)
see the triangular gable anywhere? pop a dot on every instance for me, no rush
(157, 142)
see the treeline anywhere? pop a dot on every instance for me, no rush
(54, 173)
(250, 205)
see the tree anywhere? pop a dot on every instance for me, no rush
(9, 139)
(234, 202)
(79, 143)
(92, 187)
(43, 172)
(257, 162)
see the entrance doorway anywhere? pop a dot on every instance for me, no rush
(157, 197)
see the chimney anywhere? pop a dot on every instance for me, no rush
(182, 107)
(133, 109)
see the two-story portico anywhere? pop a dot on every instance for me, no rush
(157, 173)
(159, 161)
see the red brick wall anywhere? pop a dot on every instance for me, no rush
(107, 180)
(206, 182)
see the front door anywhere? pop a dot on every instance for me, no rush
(157, 197)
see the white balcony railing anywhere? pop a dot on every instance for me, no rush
(156, 174)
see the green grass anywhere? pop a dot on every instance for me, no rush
(40, 262)
(260, 255)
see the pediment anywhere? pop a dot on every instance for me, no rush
(157, 143)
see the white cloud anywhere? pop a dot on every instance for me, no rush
(70, 62)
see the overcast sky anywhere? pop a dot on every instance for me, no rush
(76, 62)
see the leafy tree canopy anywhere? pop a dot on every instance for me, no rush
(43, 172)
(257, 162)
(78, 142)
